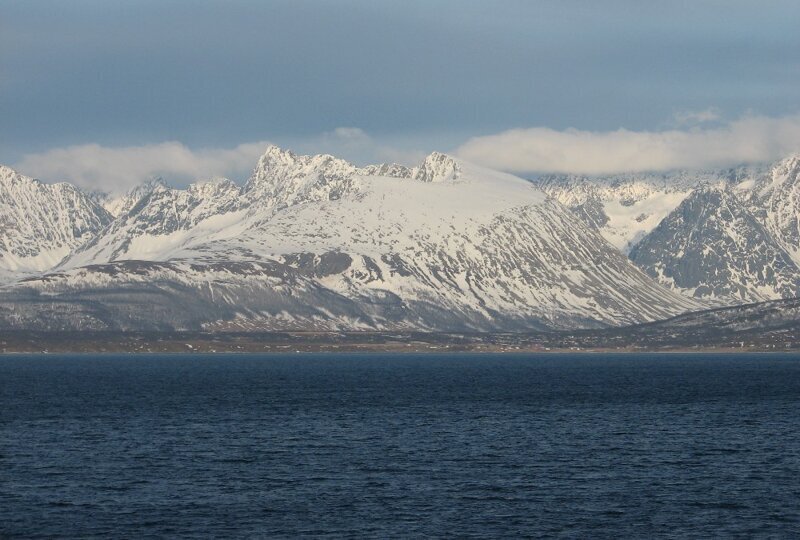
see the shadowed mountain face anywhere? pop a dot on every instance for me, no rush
(712, 246)
(776, 200)
(312, 242)
(626, 207)
(725, 237)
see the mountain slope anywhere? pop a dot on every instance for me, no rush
(40, 224)
(626, 207)
(775, 199)
(155, 219)
(315, 242)
(773, 325)
(712, 247)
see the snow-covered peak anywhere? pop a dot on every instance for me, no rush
(213, 188)
(711, 246)
(7, 174)
(122, 204)
(408, 247)
(716, 189)
(212, 181)
(785, 170)
(627, 207)
(437, 167)
(277, 165)
(11, 177)
(282, 177)
(41, 223)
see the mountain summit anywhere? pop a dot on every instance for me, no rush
(40, 223)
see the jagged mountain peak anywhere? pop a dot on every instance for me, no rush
(791, 161)
(718, 188)
(625, 208)
(214, 180)
(10, 177)
(710, 201)
(282, 178)
(120, 205)
(276, 163)
(787, 169)
(214, 188)
(437, 167)
(7, 174)
(42, 223)
(403, 247)
(16, 185)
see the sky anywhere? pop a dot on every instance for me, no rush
(107, 94)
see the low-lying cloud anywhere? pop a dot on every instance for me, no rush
(750, 139)
(116, 169)
(93, 166)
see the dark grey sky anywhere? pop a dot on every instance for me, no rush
(416, 73)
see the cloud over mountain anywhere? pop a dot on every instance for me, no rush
(114, 169)
(749, 139)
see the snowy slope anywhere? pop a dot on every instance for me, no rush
(713, 247)
(446, 245)
(40, 224)
(155, 220)
(740, 244)
(775, 199)
(626, 207)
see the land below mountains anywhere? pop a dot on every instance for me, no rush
(768, 326)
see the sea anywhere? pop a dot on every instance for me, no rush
(399, 446)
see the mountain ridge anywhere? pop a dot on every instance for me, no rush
(628, 210)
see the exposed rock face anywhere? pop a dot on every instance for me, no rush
(739, 244)
(626, 207)
(776, 199)
(711, 246)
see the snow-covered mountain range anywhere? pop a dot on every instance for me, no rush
(726, 237)
(316, 243)
(313, 242)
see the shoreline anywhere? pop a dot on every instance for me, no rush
(290, 343)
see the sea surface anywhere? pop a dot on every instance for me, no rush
(388, 446)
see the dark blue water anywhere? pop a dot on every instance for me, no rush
(388, 446)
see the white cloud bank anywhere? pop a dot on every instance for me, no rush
(750, 139)
(115, 169)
